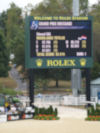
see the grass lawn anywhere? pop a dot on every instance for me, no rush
(64, 88)
(7, 83)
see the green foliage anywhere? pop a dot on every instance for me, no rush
(94, 112)
(19, 52)
(56, 112)
(41, 83)
(15, 100)
(95, 12)
(93, 118)
(15, 33)
(4, 57)
(36, 111)
(95, 71)
(60, 7)
(3, 19)
(50, 110)
(13, 24)
(96, 40)
(38, 83)
(46, 111)
(44, 76)
(59, 74)
(83, 7)
(52, 8)
(7, 91)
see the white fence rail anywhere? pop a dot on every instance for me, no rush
(48, 99)
(62, 100)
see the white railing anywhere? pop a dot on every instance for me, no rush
(63, 100)
(48, 99)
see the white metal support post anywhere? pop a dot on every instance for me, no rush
(76, 73)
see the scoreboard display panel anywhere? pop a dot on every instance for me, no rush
(59, 42)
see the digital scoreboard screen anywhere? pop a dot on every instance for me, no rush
(60, 38)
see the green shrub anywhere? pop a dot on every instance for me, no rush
(8, 91)
(88, 119)
(41, 83)
(56, 112)
(94, 112)
(36, 111)
(50, 110)
(93, 118)
(46, 111)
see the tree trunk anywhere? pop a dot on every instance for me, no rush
(57, 83)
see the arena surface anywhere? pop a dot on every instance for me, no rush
(64, 125)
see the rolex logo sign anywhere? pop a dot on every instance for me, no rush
(39, 62)
(83, 62)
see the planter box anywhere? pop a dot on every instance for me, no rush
(27, 116)
(13, 117)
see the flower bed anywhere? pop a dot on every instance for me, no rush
(45, 117)
(93, 114)
(93, 118)
(46, 113)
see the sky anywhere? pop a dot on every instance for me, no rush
(5, 4)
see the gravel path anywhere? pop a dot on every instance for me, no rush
(21, 85)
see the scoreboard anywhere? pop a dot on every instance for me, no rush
(58, 42)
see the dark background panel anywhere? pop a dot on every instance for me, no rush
(70, 35)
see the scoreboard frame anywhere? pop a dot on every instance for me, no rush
(55, 62)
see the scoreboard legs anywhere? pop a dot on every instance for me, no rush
(31, 86)
(88, 84)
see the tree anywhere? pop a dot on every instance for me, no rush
(95, 71)
(95, 12)
(14, 25)
(83, 7)
(59, 74)
(15, 33)
(52, 8)
(3, 19)
(4, 57)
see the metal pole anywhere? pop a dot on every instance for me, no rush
(76, 81)
(31, 86)
(75, 7)
(88, 84)
(76, 73)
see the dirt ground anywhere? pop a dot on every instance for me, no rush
(64, 125)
